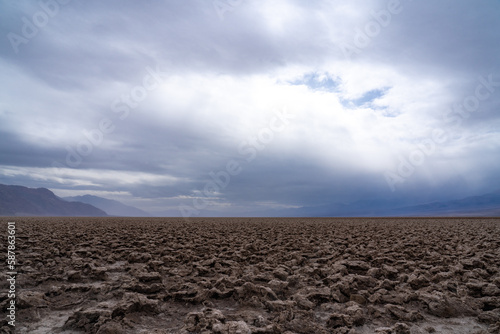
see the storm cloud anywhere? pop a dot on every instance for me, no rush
(232, 107)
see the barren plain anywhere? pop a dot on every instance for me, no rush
(255, 275)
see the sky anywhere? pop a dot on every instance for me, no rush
(238, 107)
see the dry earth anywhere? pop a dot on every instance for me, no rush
(372, 275)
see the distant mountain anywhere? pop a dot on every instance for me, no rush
(23, 201)
(487, 205)
(483, 205)
(113, 208)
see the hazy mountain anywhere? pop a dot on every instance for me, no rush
(19, 201)
(23, 201)
(486, 205)
(483, 205)
(112, 207)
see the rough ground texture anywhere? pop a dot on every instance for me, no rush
(393, 276)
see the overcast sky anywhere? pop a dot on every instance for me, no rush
(239, 106)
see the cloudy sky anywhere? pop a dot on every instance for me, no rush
(235, 106)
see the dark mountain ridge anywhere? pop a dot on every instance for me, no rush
(22, 201)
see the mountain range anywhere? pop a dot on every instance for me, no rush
(483, 205)
(23, 201)
(486, 205)
(112, 207)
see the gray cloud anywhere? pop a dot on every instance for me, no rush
(221, 82)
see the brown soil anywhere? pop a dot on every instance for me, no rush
(371, 275)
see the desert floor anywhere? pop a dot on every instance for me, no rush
(255, 275)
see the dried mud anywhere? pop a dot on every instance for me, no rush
(371, 275)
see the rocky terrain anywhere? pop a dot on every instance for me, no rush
(370, 275)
